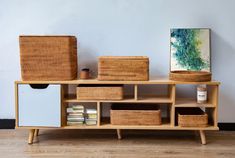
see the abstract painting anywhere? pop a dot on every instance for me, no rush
(190, 49)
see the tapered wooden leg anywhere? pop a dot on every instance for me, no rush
(119, 134)
(31, 136)
(203, 137)
(36, 132)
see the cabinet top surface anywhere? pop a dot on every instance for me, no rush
(96, 81)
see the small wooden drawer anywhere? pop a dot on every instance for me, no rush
(137, 114)
(100, 92)
(123, 68)
(192, 117)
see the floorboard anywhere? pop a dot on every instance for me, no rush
(104, 143)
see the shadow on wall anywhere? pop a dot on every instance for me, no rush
(222, 57)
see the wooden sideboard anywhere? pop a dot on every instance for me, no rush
(42, 105)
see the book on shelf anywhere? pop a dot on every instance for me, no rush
(77, 107)
(91, 122)
(91, 111)
(75, 119)
(75, 115)
(91, 117)
(70, 123)
(71, 110)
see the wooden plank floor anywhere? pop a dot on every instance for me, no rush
(104, 143)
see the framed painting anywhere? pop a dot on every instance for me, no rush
(190, 49)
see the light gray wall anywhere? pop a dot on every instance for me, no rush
(119, 27)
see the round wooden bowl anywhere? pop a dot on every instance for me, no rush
(190, 76)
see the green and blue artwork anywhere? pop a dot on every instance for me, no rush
(190, 50)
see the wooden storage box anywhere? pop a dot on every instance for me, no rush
(192, 117)
(102, 92)
(137, 114)
(123, 68)
(48, 57)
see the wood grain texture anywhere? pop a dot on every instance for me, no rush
(190, 76)
(119, 68)
(100, 92)
(126, 99)
(192, 117)
(203, 137)
(95, 81)
(31, 136)
(171, 99)
(135, 117)
(36, 132)
(48, 57)
(104, 144)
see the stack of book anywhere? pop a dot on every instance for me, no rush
(91, 117)
(75, 115)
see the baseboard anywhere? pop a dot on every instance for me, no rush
(7, 123)
(227, 126)
(10, 124)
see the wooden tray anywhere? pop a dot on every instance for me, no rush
(190, 76)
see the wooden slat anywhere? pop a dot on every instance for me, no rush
(109, 126)
(95, 81)
(189, 102)
(127, 99)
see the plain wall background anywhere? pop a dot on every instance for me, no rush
(119, 27)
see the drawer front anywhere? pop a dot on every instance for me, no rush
(39, 106)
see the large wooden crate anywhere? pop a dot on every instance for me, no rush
(137, 114)
(192, 117)
(123, 68)
(100, 92)
(48, 57)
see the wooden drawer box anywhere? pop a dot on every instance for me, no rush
(137, 114)
(48, 57)
(101, 92)
(123, 68)
(192, 117)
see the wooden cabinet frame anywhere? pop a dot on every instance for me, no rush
(170, 100)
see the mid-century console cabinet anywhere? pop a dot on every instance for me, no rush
(42, 105)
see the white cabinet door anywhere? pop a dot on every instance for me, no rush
(39, 106)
